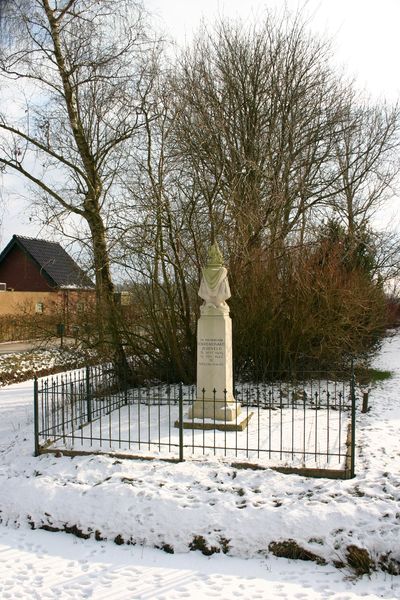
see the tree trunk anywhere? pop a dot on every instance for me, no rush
(107, 312)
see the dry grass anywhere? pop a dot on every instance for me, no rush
(359, 559)
(291, 549)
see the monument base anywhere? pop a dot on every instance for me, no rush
(239, 424)
(217, 410)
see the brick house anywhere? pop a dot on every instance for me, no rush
(40, 277)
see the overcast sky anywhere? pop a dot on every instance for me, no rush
(366, 39)
(365, 32)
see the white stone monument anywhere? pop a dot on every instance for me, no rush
(215, 400)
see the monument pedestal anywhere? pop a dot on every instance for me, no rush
(215, 406)
(215, 400)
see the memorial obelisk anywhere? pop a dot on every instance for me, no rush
(215, 399)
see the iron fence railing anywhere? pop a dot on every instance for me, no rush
(305, 423)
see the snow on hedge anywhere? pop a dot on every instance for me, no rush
(20, 366)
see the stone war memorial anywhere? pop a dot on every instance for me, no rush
(215, 406)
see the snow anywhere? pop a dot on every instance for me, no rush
(17, 366)
(40, 565)
(305, 432)
(16, 413)
(302, 424)
(149, 504)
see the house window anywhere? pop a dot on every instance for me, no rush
(39, 308)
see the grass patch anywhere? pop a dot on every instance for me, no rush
(291, 549)
(199, 543)
(168, 548)
(359, 560)
(368, 375)
(389, 564)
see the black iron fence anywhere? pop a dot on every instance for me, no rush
(304, 425)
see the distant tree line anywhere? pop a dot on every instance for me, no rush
(249, 138)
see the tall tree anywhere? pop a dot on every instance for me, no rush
(251, 155)
(163, 254)
(87, 68)
(258, 112)
(367, 155)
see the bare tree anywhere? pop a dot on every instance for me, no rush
(367, 153)
(162, 258)
(258, 111)
(85, 62)
(248, 153)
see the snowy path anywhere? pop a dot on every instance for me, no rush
(156, 503)
(38, 565)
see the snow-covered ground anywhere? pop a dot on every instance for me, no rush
(38, 565)
(197, 503)
(303, 424)
(298, 438)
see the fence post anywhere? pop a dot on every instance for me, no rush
(36, 414)
(365, 403)
(180, 423)
(88, 395)
(353, 421)
(126, 373)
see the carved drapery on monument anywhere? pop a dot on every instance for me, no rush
(214, 285)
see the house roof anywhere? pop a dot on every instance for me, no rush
(53, 261)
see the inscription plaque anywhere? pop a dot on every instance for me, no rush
(211, 352)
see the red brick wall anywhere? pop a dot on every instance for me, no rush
(19, 272)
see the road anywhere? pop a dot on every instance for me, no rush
(11, 347)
